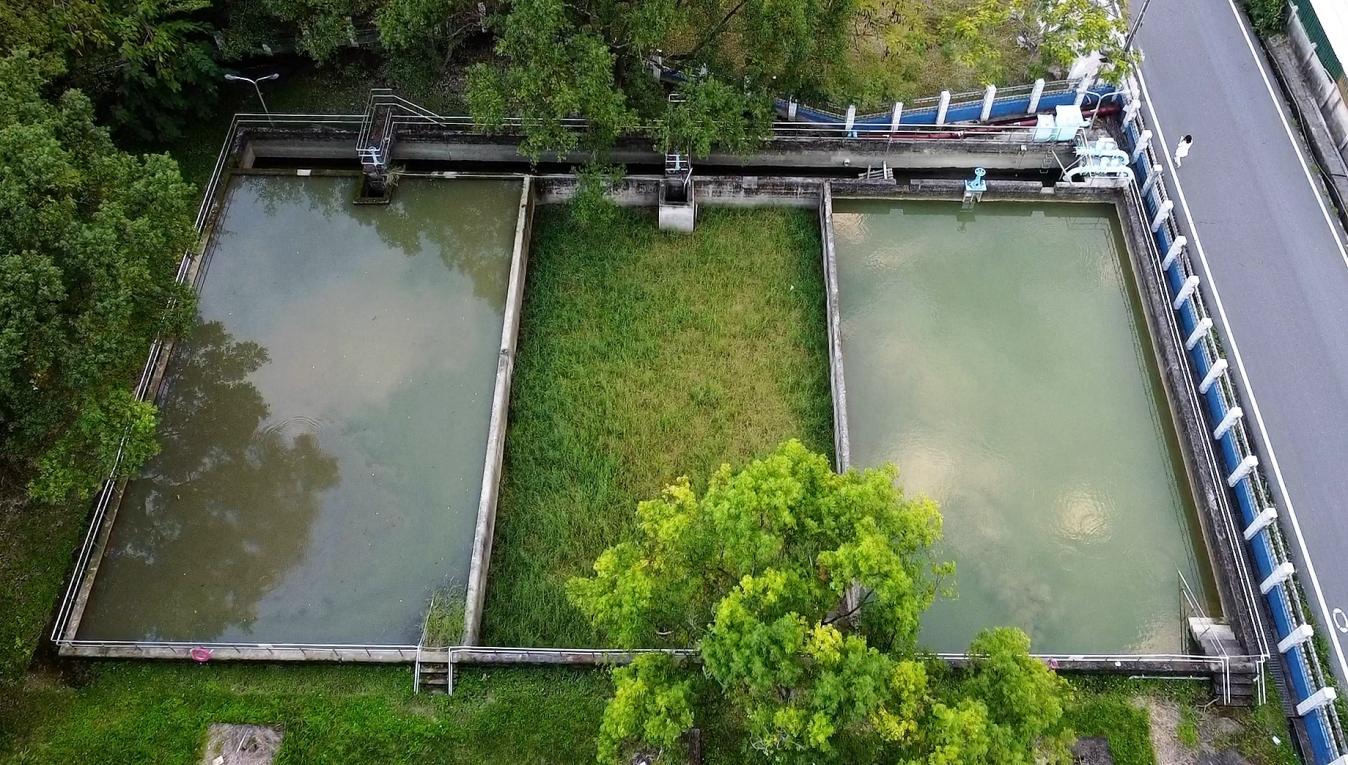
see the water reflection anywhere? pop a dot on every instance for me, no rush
(325, 427)
(210, 580)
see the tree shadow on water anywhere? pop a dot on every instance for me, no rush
(220, 515)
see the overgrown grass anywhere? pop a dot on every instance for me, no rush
(644, 356)
(35, 548)
(157, 713)
(1114, 717)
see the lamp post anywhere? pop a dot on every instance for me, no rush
(256, 87)
(1137, 24)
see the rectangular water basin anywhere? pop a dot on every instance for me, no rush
(324, 425)
(999, 357)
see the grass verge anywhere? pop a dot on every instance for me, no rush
(153, 713)
(644, 356)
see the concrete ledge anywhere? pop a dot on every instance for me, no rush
(260, 652)
(500, 414)
(842, 445)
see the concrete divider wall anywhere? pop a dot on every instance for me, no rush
(500, 411)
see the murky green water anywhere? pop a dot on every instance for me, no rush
(324, 426)
(999, 359)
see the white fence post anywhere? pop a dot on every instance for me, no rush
(1173, 252)
(989, 96)
(1082, 87)
(1161, 213)
(1203, 327)
(1280, 574)
(851, 118)
(1316, 700)
(1185, 291)
(1260, 522)
(1152, 178)
(1035, 95)
(791, 110)
(1143, 141)
(895, 117)
(1218, 369)
(942, 107)
(1245, 467)
(1295, 638)
(1229, 421)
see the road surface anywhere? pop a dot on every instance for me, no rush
(1271, 256)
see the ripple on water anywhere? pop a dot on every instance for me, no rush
(1083, 515)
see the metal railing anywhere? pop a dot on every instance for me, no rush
(1253, 488)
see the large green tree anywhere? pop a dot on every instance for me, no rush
(148, 64)
(90, 240)
(802, 591)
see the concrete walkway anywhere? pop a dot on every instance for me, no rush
(1271, 256)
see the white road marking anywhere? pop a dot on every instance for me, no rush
(1245, 378)
(1296, 147)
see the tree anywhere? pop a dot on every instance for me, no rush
(428, 29)
(552, 71)
(802, 591)
(1053, 32)
(90, 240)
(148, 64)
(712, 113)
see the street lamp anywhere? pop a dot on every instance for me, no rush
(238, 78)
(1137, 24)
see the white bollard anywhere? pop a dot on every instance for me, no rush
(1316, 700)
(1035, 95)
(1229, 421)
(851, 118)
(989, 96)
(1266, 516)
(1245, 467)
(1204, 327)
(1297, 637)
(896, 116)
(1143, 141)
(1152, 177)
(1185, 291)
(1173, 252)
(942, 107)
(1217, 370)
(1280, 574)
(1161, 213)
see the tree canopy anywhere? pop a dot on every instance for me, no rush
(802, 592)
(90, 241)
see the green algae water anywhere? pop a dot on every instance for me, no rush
(999, 358)
(324, 425)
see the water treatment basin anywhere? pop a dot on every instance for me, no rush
(999, 357)
(324, 425)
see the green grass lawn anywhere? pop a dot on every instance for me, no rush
(159, 713)
(644, 356)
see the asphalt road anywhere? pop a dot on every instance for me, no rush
(1271, 257)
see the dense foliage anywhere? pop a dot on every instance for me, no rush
(802, 591)
(90, 240)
